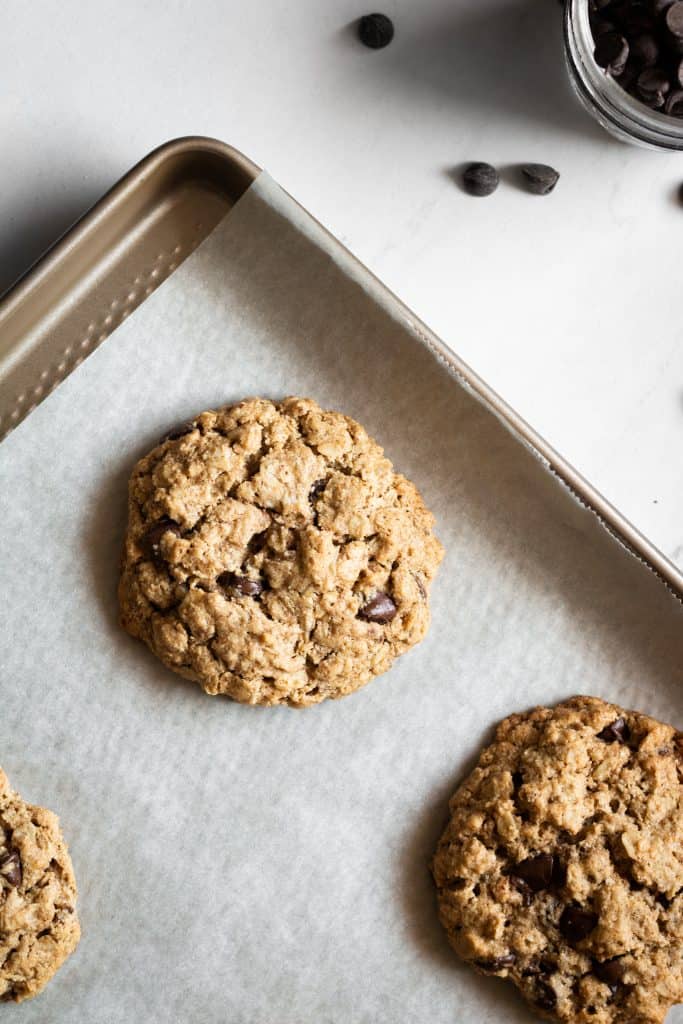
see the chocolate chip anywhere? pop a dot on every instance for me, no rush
(151, 542)
(674, 20)
(498, 963)
(178, 432)
(611, 972)
(658, 7)
(576, 923)
(379, 608)
(540, 178)
(653, 85)
(375, 31)
(645, 50)
(481, 179)
(674, 103)
(546, 997)
(243, 586)
(611, 53)
(10, 868)
(316, 490)
(616, 732)
(536, 872)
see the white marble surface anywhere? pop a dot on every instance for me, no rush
(568, 305)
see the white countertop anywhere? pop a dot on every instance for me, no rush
(568, 305)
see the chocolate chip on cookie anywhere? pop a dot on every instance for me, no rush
(379, 608)
(151, 540)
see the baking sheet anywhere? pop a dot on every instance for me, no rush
(251, 865)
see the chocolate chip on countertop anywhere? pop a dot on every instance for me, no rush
(375, 31)
(576, 923)
(611, 972)
(241, 585)
(540, 178)
(379, 608)
(536, 872)
(611, 52)
(10, 868)
(481, 179)
(151, 542)
(498, 963)
(616, 732)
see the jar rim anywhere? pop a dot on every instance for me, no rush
(618, 111)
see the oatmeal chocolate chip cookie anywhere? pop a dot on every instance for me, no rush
(38, 924)
(274, 555)
(561, 868)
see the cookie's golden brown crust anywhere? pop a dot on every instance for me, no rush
(38, 923)
(274, 555)
(562, 865)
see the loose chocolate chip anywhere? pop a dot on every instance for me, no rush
(546, 997)
(536, 872)
(645, 50)
(379, 608)
(616, 732)
(151, 542)
(481, 179)
(178, 432)
(241, 585)
(375, 31)
(611, 972)
(316, 490)
(540, 178)
(611, 53)
(10, 868)
(576, 923)
(674, 103)
(498, 963)
(652, 86)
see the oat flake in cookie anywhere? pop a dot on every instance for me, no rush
(274, 555)
(38, 923)
(561, 868)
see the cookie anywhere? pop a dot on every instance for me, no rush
(273, 554)
(38, 924)
(561, 868)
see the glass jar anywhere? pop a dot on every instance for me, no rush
(617, 111)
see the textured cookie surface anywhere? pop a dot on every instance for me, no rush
(38, 923)
(562, 866)
(274, 555)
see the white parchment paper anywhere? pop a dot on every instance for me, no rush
(253, 866)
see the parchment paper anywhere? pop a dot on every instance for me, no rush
(257, 866)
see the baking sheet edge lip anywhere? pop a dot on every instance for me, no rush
(128, 182)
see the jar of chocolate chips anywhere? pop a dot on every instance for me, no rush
(625, 60)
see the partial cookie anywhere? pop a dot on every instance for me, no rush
(561, 868)
(38, 923)
(274, 555)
